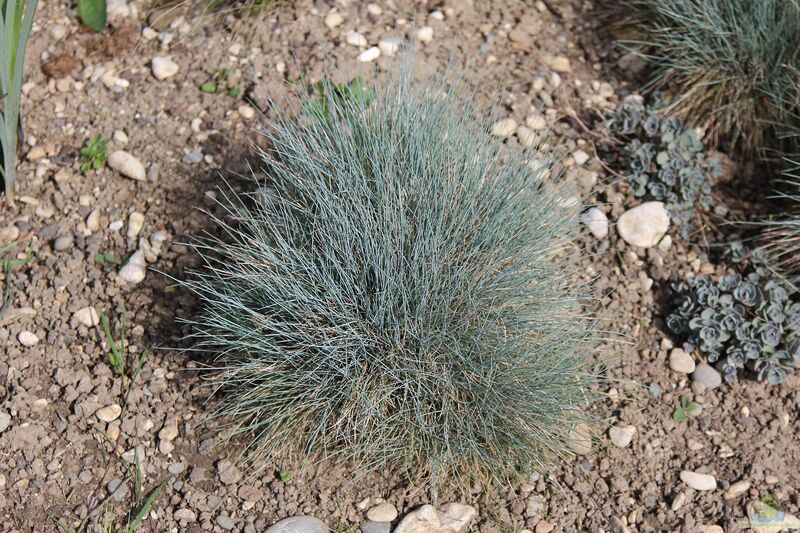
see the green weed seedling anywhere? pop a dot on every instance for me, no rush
(686, 407)
(117, 351)
(94, 153)
(92, 14)
(9, 260)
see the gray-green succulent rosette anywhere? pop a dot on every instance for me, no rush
(738, 322)
(666, 161)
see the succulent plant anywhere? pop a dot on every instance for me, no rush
(396, 293)
(740, 322)
(665, 161)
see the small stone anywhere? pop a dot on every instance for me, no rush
(184, 514)
(87, 316)
(93, 220)
(370, 54)
(526, 137)
(383, 512)
(36, 153)
(425, 34)
(164, 67)
(228, 473)
(135, 269)
(9, 234)
(536, 122)
(389, 46)
(116, 225)
(193, 158)
(678, 502)
(355, 39)
(120, 137)
(621, 436)
(560, 64)
(376, 527)
(698, 481)
(108, 413)
(117, 9)
(504, 127)
(580, 157)
(644, 225)
(424, 519)
(681, 362)
(714, 528)
(58, 32)
(135, 223)
(5, 421)
(544, 527)
(597, 222)
(580, 440)
(374, 9)
(63, 243)
(224, 521)
(117, 489)
(28, 338)
(333, 19)
(457, 516)
(298, 524)
(246, 112)
(707, 376)
(736, 489)
(127, 165)
(169, 432)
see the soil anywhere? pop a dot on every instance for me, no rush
(59, 459)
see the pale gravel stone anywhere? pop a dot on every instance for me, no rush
(135, 223)
(333, 19)
(596, 221)
(370, 54)
(127, 165)
(621, 436)
(28, 338)
(736, 489)
(698, 481)
(383, 512)
(108, 413)
(164, 67)
(135, 270)
(644, 225)
(680, 361)
(87, 316)
(355, 39)
(504, 127)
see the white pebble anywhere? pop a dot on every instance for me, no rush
(425, 34)
(536, 122)
(698, 481)
(621, 436)
(135, 269)
(333, 19)
(120, 137)
(644, 225)
(504, 127)
(580, 157)
(27, 338)
(127, 165)
(374, 9)
(597, 222)
(108, 413)
(389, 45)
(356, 39)
(135, 223)
(383, 512)
(370, 54)
(87, 316)
(740, 487)
(680, 361)
(246, 112)
(164, 67)
(526, 137)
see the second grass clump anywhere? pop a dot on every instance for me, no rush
(399, 292)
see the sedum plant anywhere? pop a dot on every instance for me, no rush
(740, 322)
(17, 19)
(665, 161)
(396, 293)
(731, 64)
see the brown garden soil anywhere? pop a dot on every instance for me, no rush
(58, 460)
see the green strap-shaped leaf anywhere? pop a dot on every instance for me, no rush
(93, 13)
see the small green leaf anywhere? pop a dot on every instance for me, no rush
(148, 503)
(234, 92)
(679, 414)
(284, 475)
(93, 13)
(692, 407)
(209, 87)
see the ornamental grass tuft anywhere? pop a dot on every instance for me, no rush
(732, 65)
(399, 291)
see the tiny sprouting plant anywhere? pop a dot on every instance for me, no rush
(17, 19)
(106, 259)
(396, 291)
(740, 322)
(684, 407)
(92, 14)
(218, 81)
(665, 161)
(284, 475)
(9, 260)
(329, 94)
(117, 349)
(94, 153)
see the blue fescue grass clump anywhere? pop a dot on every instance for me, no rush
(398, 293)
(732, 64)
